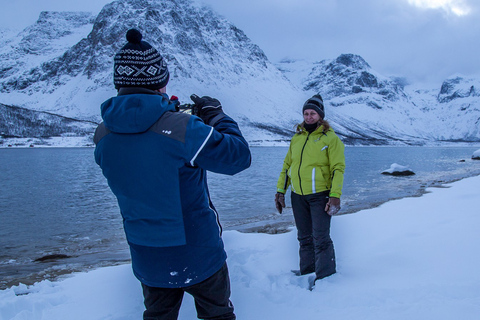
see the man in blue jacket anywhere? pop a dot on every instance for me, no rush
(155, 160)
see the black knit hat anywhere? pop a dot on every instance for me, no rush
(315, 103)
(138, 64)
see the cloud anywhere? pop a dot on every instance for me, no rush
(395, 37)
(416, 38)
(19, 14)
(457, 7)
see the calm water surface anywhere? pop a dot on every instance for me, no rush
(56, 201)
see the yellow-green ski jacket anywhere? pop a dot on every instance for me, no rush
(315, 162)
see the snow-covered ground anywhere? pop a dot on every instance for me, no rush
(59, 142)
(414, 258)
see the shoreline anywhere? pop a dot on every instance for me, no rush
(87, 142)
(275, 226)
(392, 261)
(283, 223)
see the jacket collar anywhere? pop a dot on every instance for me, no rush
(320, 130)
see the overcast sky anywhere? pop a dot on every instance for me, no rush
(423, 40)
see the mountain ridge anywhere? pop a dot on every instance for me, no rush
(360, 97)
(208, 55)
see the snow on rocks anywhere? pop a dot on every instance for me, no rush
(476, 155)
(398, 170)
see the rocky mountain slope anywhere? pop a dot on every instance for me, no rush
(20, 126)
(63, 65)
(366, 107)
(206, 55)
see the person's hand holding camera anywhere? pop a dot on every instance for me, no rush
(207, 108)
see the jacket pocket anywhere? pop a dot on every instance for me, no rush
(319, 182)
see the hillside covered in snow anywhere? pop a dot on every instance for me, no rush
(63, 65)
(366, 107)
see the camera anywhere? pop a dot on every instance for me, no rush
(188, 108)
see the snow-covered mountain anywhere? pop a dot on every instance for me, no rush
(63, 64)
(22, 127)
(206, 55)
(366, 107)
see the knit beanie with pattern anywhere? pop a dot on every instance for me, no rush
(138, 64)
(315, 103)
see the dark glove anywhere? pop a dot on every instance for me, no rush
(279, 201)
(333, 206)
(208, 109)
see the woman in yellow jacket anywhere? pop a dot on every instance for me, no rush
(314, 168)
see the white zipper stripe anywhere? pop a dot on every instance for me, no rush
(313, 181)
(201, 147)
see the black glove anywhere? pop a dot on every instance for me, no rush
(207, 108)
(279, 201)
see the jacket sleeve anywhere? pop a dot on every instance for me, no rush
(336, 155)
(223, 150)
(284, 181)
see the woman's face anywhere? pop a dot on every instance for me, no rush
(310, 116)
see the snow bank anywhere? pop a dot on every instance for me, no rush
(414, 258)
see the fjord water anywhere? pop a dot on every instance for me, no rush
(56, 200)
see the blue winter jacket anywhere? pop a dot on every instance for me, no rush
(155, 162)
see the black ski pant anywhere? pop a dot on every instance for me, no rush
(313, 233)
(212, 299)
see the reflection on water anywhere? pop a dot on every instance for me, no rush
(56, 201)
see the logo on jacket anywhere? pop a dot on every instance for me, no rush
(167, 131)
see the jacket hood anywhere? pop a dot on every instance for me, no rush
(319, 129)
(134, 113)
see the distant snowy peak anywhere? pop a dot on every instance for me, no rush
(348, 61)
(349, 74)
(51, 27)
(367, 107)
(52, 31)
(459, 87)
(22, 58)
(205, 53)
(63, 64)
(191, 39)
